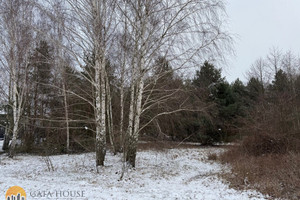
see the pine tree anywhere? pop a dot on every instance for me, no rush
(281, 82)
(207, 76)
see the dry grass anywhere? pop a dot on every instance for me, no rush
(212, 156)
(158, 146)
(275, 174)
(161, 145)
(164, 145)
(261, 144)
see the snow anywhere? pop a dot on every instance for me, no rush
(183, 173)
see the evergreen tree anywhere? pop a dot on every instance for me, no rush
(40, 94)
(255, 89)
(209, 86)
(228, 103)
(207, 75)
(281, 82)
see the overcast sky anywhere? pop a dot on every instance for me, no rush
(260, 25)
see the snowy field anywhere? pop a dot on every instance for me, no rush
(170, 174)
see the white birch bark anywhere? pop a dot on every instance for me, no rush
(110, 126)
(18, 97)
(16, 112)
(122, 82)
(122, 110)
(66, 116)
(100, 113)
(128, 140)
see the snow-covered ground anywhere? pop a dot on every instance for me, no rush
(170, 174)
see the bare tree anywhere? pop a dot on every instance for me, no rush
(91, 34)
(59, 19)
(182, 31)
(16, 38)
(274, 59)
(290, 65)
(259, 70)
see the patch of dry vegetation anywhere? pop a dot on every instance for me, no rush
(265, 164)
(161, 145)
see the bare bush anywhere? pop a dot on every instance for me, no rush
(274, 174)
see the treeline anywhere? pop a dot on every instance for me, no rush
(263, 112)
(205, 109)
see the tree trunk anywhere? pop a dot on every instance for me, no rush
(9, 120)
(131, 150)
(110, 125)
(121, 115)
(16, 116)
(128, 152)
(6, 139)
(100, 112)
(13, 141)
(133, 139)
(66, 116)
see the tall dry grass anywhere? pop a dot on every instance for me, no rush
(266, 164)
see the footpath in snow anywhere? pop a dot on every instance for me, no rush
(169, 174)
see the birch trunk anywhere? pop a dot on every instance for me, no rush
(134, 137)
(140, 45)
(96, 20)
(110, 125)
(122, 79)
(129, 133)
(66, 116)
(100, 112)
(16, 113)
(103, 110)
(122, 113)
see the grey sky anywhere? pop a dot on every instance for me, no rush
(260, 25)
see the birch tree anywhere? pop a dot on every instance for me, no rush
(182, 31)
(16, 39)
(121, 57)
(91, 34)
